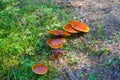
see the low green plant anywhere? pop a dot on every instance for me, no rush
(103, 51)
(99, 33)
(91, 77)
(23, 31)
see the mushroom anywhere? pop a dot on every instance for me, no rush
(39, 68)
(57, 53)
(69, 28)
(79, 26)
(55, 43)
(59, 32)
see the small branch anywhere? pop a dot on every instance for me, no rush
(67, 70)
(69, 73)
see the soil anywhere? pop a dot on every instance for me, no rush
(94, 13)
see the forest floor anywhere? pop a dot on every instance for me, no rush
(100, 57)
(24, 26)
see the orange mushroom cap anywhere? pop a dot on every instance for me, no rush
(69, 28)
(79, 26)
(55, 43)
(59, 32)
(39, 68)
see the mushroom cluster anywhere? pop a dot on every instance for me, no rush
(56, 43)
(73, 26)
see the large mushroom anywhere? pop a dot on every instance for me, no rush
(59, 32)
(55, 43)
(69, 28)
(79, 26)
(39, 68)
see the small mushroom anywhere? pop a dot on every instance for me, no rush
(59, 32)
(57, 53)
(79, 26)
(69, 28)
(55, 43)
(39, 68)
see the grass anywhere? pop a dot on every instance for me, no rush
(23, 31)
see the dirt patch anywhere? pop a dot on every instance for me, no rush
(105, 65)
(92, 11)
